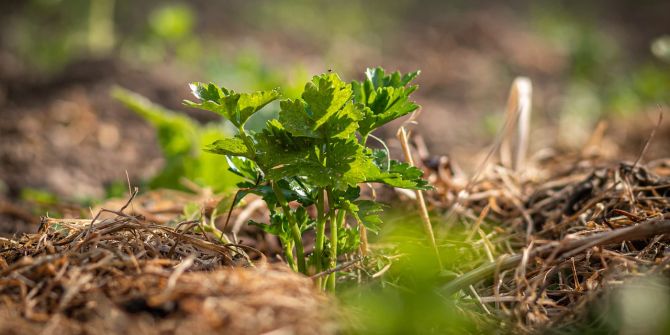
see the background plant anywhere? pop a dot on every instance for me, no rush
(315, 154)
(181, 139)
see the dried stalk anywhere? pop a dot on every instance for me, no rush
(423, 210)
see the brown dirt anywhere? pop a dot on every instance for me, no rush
(68, 136)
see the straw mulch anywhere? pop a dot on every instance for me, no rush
(123, 274)
(557, 235)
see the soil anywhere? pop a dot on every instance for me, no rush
(67, 136)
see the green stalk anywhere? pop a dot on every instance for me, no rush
(320, 232)
(334, 224)
(299, 249)
(295, 230)
(211, 228)
(364, 139)
(288, 253)
(327, 285)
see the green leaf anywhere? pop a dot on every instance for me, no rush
(385, 97)
(289, 190)
(381, 159)
(278, 226)
(387, 105)
(275, 147)
(346, 166)
(361, 167)
(401, 175)
(300, 192)
(326, 94)
(233, 146)
(369, 214)
(344, 123)
(294, 118)
(325, 112)
(348, 240)
(208, 92)
(252, 102)
(378, 78)
(244, 168)
(235, 107)
(350, 194)
(366, 212)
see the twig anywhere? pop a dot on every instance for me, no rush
(340, 267)
(119, 212)
(479, 299)
(649, 139)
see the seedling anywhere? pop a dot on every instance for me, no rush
(315, 154)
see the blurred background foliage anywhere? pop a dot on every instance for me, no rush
(224, 40)
(181, 140)
(587, 59)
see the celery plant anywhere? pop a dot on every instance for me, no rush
(315, 154)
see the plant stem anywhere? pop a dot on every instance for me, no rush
(295, 230)
(364, 239)
(288, 253)
(320, 232)
(364, 139)
(217, 233)
(299, 249)
(335, 223)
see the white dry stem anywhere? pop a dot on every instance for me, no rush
(178, 271)
(518, 108)
(246, 214)
(518, 111)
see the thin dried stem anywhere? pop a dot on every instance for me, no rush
(423, 210)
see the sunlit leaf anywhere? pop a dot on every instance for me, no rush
(235, 107)
(232, 146)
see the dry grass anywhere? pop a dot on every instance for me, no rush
(126, 275)
(555, 234)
